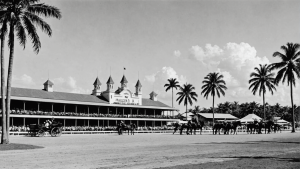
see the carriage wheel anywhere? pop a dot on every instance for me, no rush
(56, 132)
(40, 133)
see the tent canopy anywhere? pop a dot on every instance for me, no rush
(250, 118)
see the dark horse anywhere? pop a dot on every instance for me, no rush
(266, 125)
(176, 127)
(232, 126)
(277, 128)
(196, 124)
(252, 127)
(185, 126)
(217, 127)
(130, 128)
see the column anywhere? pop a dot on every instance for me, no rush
(123, 112)
(75, 122)
(12, 121)
(98, 122)
(145, 111)
(64, 122)
(88, 111)
(88, 123)
(64, 108)
(24, 121)
(38, 107)
(107, 122)
(75, 108)
(137, 124)
(161, 124)
(154, 112)
(38, 120)
(98, 110)
(24, 106)
(116, 110)
(52, 107)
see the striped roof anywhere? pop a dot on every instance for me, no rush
(217, 116)
(124, 80)
(110, 80)
(62, 96)
(138, 84)
(48, 82)
(97, 82)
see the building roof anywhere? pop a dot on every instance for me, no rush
(153, 94)
(217, 116)
(42, 95)
(250, 118)
(110, 80)
(97, 82)
(138, 84)
(124, 80)
(48, 82)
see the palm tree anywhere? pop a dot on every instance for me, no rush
(261, 79)
(23, 16)
(187, 95)
(213, 84)
(289, 69)
(173, 83)
(4, 134)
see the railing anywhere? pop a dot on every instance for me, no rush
(29, 112)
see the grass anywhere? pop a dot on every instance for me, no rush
(13, 146)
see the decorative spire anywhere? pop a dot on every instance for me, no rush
(97, 82)
(110, 80)
(138, 84)
(124, 80)
(48, 82)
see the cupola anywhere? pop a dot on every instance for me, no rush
(110, 84)
(124, 82)
(97, 87)
(48, 86)
(153, 96)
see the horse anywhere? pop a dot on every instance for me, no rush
(185, 126)
(252, 127)
(176, 127)
(196, 124)
(232, 126)
(130, 128)
(266, 125)
(217, 127)
(277, 128)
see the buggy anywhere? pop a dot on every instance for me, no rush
(39, 130)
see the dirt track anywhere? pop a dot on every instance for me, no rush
(155, 151)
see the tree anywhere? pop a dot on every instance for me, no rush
(4, 135)
(187, 95)
(261, 79)
(173, 83)
(289, 69)
(213, 84)
(22, 17)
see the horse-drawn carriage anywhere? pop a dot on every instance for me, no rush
(53, 129)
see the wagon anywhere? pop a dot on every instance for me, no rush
(40, 129)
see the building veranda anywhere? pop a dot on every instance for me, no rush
(101, 109)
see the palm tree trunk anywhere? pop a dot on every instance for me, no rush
(186, 112)
(4, 135)
(9, 76)
(293, 116)
(213, 110)
(264, 106)
(172, 97)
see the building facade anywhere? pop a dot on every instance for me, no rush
(101, 108)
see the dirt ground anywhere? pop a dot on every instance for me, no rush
(280, 150)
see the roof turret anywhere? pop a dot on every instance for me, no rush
(97, 82)
(110, 80)
(138, 84)
(124, 80)
(48, 82)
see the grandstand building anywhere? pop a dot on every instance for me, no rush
(101, 108)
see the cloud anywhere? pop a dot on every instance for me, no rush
(177, 53)
(160, 78)
(23, 81)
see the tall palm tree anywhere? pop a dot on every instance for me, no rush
(187, 95)
(261, 80)
(23, 17)
(289, 69)
(4, 134)
(213, 85)
(173, 83)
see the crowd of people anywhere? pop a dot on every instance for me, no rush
(50, 113)
(93, 128)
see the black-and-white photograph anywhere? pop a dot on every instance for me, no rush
(150, 84)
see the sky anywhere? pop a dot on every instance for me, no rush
(158, 40)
